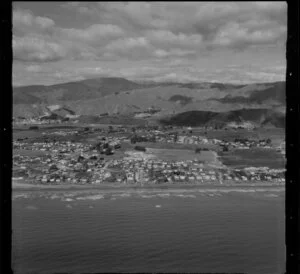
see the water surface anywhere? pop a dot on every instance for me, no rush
(148, 231)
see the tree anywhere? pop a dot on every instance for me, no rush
(93, 158)
(53, 168)
(106, 145)
(133, 139)
(108, 151)
(140, 148)
(34, 127)
(225, 148)
(80, 158)
(175, 137)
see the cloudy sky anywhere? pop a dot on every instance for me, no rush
(233, 42)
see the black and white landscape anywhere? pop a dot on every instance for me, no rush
(149, 137)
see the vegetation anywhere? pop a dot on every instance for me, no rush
(140, 148)
(218, 120)
(198, 150)
(33, 127)
(184, 100)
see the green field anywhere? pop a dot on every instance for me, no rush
(181, 154)
(241, 158)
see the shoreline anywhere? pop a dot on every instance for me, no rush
(18, 186)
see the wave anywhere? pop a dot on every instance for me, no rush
(185, 195)
(91, 197)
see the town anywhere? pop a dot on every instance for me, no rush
(121, 155)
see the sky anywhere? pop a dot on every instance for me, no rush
(229, 42)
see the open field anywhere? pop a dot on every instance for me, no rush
(182, 155)
(241, 158)
(260, 133)
(178, 146)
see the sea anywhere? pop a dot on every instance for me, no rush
(196, 231)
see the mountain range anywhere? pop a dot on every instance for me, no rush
(119, 96)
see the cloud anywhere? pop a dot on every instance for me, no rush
(157, 30)
(37, 50)
(166, 39)
(154, 40)
(39, 39)
(93, 33)
(24, 23)
(132, 48)
(33, 68)
(238, 35)
(159, 53)
(128, 43)
(84, 8)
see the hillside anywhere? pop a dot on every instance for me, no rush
(72, 91)
(258, 117)
(121, 96)
(274, 93)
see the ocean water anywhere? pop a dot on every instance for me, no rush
(84, 232)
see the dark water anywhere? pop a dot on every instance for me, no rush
(80, 233)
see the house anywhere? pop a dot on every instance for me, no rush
(130, 179)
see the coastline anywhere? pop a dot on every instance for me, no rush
(19, 186)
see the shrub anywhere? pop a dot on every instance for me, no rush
(225, 148)
(140, 148)
(34, 127)
(198, 150)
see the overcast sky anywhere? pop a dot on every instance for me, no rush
(233, 42)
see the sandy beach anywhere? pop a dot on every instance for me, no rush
(21, 186)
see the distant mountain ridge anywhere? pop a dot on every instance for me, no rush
(120, 96)
(275, 93)
(71, 91)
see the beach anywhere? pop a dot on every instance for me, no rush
(19, 186)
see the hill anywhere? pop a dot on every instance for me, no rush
(72, 91)
(273, 93)
(121, 96)
(258, 117)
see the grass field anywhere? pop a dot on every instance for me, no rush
(241, 158)
(181, 154)
(178, 146)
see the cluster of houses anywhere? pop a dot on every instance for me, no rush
(190, 171)
(36, 121)
(161, 137)
(62, 132)
(83, 163)
(78, 163)
(53, 147)
(245, 143)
